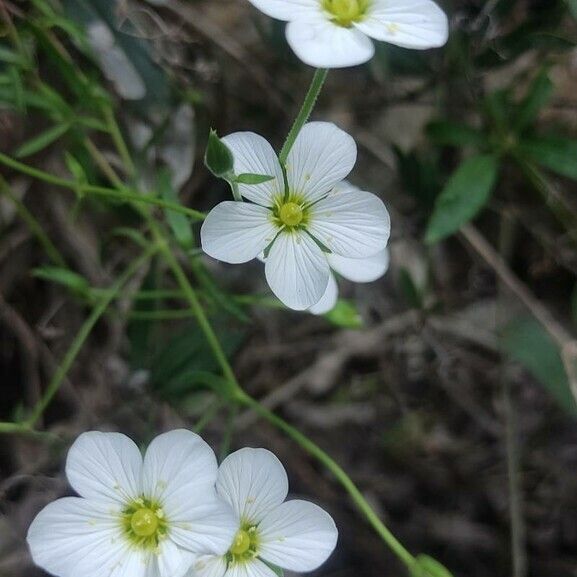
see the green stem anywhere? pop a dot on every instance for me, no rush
(34, 226)
(337, 471)
(305, 112)
(119, 141)
(123, 196)
(82, 335)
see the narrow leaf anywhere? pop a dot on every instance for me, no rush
(465, 194)
(41, 141)
(179, 223)
(555, 153)
(537, 97)
(455, 134)
(345, 315)
(64, 277)
(526, 341)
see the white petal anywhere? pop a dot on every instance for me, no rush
(323, 44)
(329, 299)
(178, 465)
(237, 232)
(361, 269)
(172, 561)
(298, 536)
(208, 566)
(286, 9)
(354, 223)
(321, 157)
(253, 482)
(105, 466)
(70, 529)
(254, 568)
(297, 270)
(202, 524)
(253, 154)
(419, 24)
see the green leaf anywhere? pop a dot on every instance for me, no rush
(537, 97)
(218, 158)
(455, 134)
(411, 292)
(426, 566)
(526, 341)
(555, 153)
(41, 141)
(465, 194)
(63, 276)
(345, 314)
(179, 223)
(250, 178)
(572, 4)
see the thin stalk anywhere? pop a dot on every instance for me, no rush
(314, 450)
(305, 112)
(119, 141)
(34, 226)
(80, 339)
(122, 196)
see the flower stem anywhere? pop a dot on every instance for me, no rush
(337, 471)
(120, 195)
(305, 112)
(81, 337)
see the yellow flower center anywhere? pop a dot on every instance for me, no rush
(241, 543)
(291, 214)
(144, 522)
(345, 12)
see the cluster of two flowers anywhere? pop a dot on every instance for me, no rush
(175, 513)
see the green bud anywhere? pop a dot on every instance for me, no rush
(426, 566)
(218, 158)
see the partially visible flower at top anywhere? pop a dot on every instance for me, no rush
(294, 535)
(338, 33)
(300, 227)
(134, 517)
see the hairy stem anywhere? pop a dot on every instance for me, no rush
(305, 112)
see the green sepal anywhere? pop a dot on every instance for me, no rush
(218, 157)
(250, 178)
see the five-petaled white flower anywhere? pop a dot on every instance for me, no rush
(135, 517)
(294, 535)
(337, 33)
(300, 222)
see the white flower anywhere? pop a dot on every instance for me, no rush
(134, 517)
(357, 270)
(337, 33)
(298, 226)
(294, 535)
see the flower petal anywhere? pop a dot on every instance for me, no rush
(208, 566)
(321, 157)
(104, 466)
(323, 44)
(353, 223)
(178, 466)
(297, 270)
(70, 529)
(202, 523)
(253, 568)
(366, 269)
(236, 232)
(253, 154)
(286, 9)
(172, 561)
(418, 24)
(298, 536)
(329, 299)
(252, 482)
